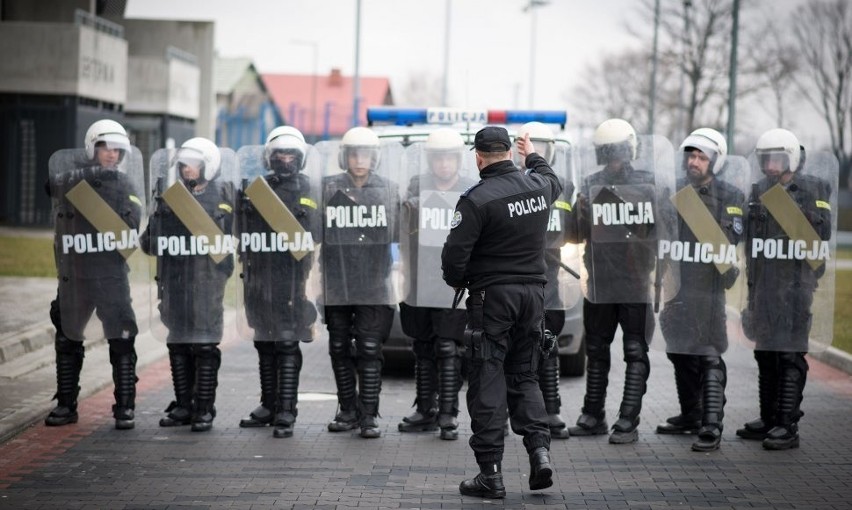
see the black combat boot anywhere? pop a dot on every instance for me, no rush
(122, 357)
(207, 361)
(625, 430)
(183, 379)
(541, 472)
(449, 385)
(263, 414)
(713, 384)
(370, 387)
(793, 373)
(688, 385)
(69, 362)
(767, 386)
(289, 365)
(592, 421)
(548, 381)
(487, 484)
(344, 377)
(425, 416)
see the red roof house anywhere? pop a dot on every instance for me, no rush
(321, 106)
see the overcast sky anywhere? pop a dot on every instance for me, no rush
(489, 42)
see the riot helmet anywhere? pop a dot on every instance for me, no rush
(357, 141)
(780, 146)
(444, 150)
(711, 143)
(615, 140)
(542, 138)
(202, 155)
(284, 152)
(110, 135)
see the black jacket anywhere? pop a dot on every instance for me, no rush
(500, 227)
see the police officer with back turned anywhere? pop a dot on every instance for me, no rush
(495, 249)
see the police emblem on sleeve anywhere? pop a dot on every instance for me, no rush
(738, 225)
(456, 221)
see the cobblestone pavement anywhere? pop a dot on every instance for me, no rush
(91, 465)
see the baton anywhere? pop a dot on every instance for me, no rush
(458, 297)
(562, 265)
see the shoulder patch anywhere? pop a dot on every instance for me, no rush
(738, 224)
(468, 190)
(457, 219)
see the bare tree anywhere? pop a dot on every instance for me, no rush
(823, 31)
(773, 60)
(421, 89)
(615, 87)
(693, 59)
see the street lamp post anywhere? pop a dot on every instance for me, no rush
(530, 7)
(314, 81)
(356, 79)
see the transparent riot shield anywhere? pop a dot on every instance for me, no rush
(190, 234)
(790, 248)
(99, 209)
(360, 213)
(277, 228)
(700, 315)
(563, 262)
(622, 212)
(435, 181)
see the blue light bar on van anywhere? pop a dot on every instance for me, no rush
(411, 116)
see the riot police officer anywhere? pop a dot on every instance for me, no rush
(98, 204)
(693, 320)
(190, 234)
(427, 317)
(274, 280)
(619, 257)
(360, 209)
(560, 216)
(787, 207)
(495, 249)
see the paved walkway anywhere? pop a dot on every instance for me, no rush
(91, 465)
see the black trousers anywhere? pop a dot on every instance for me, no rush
(511, 318)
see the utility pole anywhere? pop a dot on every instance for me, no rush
(732, 76)
(531, 7)
(653, 101)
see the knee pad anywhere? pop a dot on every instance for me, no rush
(635, 350)
(67, 346)
(180, 349)
(287, 348)
(207, 351)
(265, 348)
(424, 349)
(446, 348)
(369, 349)
(121, 346)
(598, 351)
(340, 347)
(793, 360)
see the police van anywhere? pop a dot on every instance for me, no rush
(412, 126)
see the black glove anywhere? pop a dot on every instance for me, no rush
(730, 277)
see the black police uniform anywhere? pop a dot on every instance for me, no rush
(630, 265)
(437, 334)
(277, 307)
(359, 273)
(93, 282)
(693, 322)
(778, 316)
(191, 290)
(496, 251)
